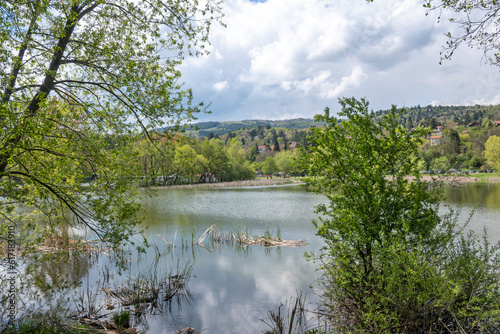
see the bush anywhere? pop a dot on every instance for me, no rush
(392, 264)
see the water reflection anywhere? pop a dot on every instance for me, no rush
(484, 200)
(484, 194)
(232, 286)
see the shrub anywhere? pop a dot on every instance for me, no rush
(392, 264)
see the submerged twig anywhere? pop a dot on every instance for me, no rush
(204, 235)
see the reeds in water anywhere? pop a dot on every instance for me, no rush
(245, 239)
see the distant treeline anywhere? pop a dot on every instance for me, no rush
(203, 129)
(225, 151)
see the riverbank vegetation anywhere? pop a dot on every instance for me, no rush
(392, 264)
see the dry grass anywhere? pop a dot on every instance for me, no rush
(56, 244)
(242, 238)
(243, 183)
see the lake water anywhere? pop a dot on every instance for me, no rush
(232, 288)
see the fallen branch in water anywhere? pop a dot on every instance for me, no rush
(204, 235)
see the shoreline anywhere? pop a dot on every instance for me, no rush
(461, 179)
(258, 182)
(276, 181)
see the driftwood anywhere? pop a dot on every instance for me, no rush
(168, 242)
(204, 235)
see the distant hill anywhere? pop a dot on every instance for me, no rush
(221, 128)
(449, 116)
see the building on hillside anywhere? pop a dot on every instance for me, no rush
(435, 140)
(497, 123)
(474, 124)
(262, 149)
(437, 132)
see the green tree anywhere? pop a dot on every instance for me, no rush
(392, 264)
(79, 80)
(353, 159)
(276, 145)
(475, 162)
(218, 162)
(240, 167)
(441, 164)
(285, 161)
(269, 166)
(492, 152)
(453, 142)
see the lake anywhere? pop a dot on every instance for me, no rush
(231, 287)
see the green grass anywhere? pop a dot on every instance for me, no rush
(482, 176)
(122, 319)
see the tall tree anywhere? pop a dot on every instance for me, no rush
(454, 142)
(492, 152)
(392, 264)
(269, 166)
(276, 145)
(77, 79)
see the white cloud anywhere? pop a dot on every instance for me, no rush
(286, 57)
(218, 56)
(324, 86)
(220, 86)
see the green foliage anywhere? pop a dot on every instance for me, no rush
(181, 160)
(478, 28)
(48, 326)
(392, 264)
(269, 166)
(492, 152)
(285, 161)
(441, 163)
(80, 81)
(122, 319)
(353, 159)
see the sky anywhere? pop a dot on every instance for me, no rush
(283, 59)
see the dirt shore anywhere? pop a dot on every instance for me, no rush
(461, 179)
(280, 181)
(244, 183)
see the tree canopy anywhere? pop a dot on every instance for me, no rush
(364, 167)
(392, 264)
(492, 152)
(78, 79)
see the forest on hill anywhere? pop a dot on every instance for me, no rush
(225, 151)
(203, 129)
(459, 135)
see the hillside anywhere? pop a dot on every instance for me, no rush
(221, 128)
(457, 141)
(447, 116)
